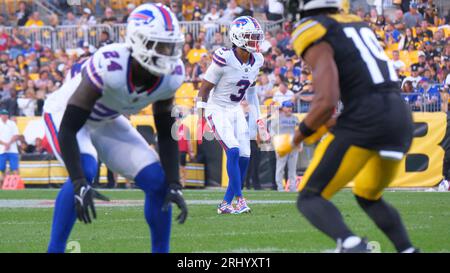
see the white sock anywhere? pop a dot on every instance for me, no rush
(351, 241)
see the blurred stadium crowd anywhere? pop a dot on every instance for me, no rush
(415, 34)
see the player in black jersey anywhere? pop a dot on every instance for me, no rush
(371, 135)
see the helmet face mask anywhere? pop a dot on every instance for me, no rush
(246, 33)
(252, 40)
(165, 49)
(153, 46)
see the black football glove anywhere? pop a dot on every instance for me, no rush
(176, 196)
(84, 199)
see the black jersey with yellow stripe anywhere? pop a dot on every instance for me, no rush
(362, 64)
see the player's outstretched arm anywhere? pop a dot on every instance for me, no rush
(326, 89)
(205, 89)
(326, 95)
(77, 111)
(168, 153)
(200, 105)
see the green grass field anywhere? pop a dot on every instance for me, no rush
(274, 226)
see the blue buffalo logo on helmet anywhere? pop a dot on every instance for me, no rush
(143, 16)
(240, 22)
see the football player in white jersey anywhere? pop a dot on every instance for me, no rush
(84, 120)
(232, 74)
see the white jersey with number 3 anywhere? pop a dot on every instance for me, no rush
(231, 77)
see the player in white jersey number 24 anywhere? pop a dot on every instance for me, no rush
(232, 75)
(88, 113)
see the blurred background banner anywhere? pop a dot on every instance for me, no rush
(422, 167)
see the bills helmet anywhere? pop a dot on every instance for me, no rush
(154, 36)
(247, 33)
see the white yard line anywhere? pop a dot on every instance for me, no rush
(47, 203)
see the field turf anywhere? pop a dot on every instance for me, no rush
(275, 224)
